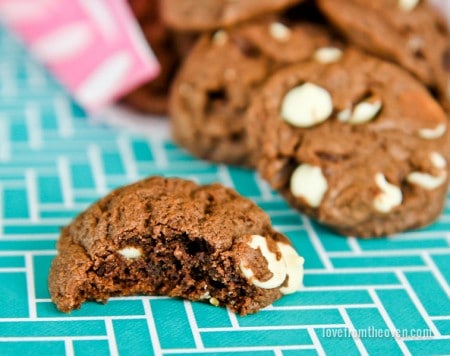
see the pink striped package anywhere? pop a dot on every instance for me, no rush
(94, 47)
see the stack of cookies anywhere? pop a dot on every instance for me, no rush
(341, 105)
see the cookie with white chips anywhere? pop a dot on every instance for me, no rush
(204, 15)
(357, 143)
(172, 237)
(411, 33)
(213, 89)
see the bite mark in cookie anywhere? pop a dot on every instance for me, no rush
(167, 236)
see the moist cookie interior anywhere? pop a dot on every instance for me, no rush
(175, 265)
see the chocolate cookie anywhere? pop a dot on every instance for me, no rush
(213, 89)
(169, 48)
(200, 15)
(409, 32)
(358, 144)
(173, 237)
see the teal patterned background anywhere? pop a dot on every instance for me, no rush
(54, 162)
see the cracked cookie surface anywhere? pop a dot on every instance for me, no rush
(410, 33)
(168, 236)
(358, 144)
(201, 15)
(223, 72)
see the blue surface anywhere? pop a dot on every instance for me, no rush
(56, 163)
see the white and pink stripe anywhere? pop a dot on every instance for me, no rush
(94, 47)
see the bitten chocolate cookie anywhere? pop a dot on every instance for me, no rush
(173, 237)
(200, 15)
(169, 48)
(213, 89)
(409, 32)
(358, 144)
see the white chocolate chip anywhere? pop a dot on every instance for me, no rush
(389, 197)
(306, 105)
(345, 115)
(438, 160)
(309, 183)
(363, 112)
(416, 44)
(279, 31)
(294, 264)
(214, 302)
(408, 5)
(290, 265)
(427, 181)
(366, 111)
(328, 55)
(130, 253)
(220, 37)
(205, 295)
(277, 267)
(431, 134)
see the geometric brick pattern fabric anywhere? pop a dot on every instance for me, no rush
(387, 296)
